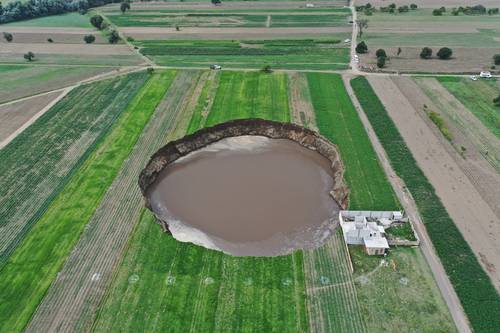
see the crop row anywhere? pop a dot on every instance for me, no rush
(38, 163)
(34, 264)
(479, 298)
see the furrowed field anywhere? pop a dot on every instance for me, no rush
(289, 54)
(474, 288)
(31, 268)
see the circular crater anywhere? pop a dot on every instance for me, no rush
(247, 187)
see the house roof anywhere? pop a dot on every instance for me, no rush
(379, 243)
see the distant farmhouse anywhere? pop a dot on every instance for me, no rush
(367, 228)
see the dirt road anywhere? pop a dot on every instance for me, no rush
(405, 198)
(472, 215)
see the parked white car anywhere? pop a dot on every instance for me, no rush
(485, 75)
(215, 67)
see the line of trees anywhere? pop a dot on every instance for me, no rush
(17, 10)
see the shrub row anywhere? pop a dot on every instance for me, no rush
(479, 298)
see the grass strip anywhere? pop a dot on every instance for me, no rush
(339, 122)
(479, 298)
(35, 263)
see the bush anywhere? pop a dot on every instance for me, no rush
(361, 47)
(496, 101)
(403, 9)
(413, 6)
(496, 59)
(97, 21)
(89, 39)
(29, 56)
(437, 12)
(8, 36)
(444, 53)
(392, 5)
(113, 37)
(380, 62)
(267, 69)
(426, 53)
(50, 40)
(381, 53)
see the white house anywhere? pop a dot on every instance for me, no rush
(367, 228)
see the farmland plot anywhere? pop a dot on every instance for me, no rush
(474, 288)
(89, 268)
(14, 115)
(192, 288)
(38, 163)
(22, 80)
(33, 266)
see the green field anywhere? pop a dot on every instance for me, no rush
(223, 20)
(32, 267)
(288, 54)
(69, 20)
(478, 97)
(38, 163)
(474, 288)
(338, 121)
(24, 80)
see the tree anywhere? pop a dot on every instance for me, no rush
(381, 53)
(413, 6)
(113, 37)
(437, 12)
(97, 21)
(29, 56)
(8, 36)
(496, 101)
(444, 53)
(426, 53)
(50, 40)
(362, 24)
(392, 5)
(442, 9)
(124, 6)
(380, 62)
(496, 59)
(399, 51)
(361, 47)
(89, 39)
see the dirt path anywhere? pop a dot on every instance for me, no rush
(72, 300)
(472, 215)
(467, 132)
(447, 291)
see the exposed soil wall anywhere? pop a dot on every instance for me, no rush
(258, 127)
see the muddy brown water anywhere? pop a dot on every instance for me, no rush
(248, 196)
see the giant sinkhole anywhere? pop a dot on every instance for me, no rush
(247, 187)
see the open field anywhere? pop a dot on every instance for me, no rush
(90, 267)
(432, 3)
(34, 264)
(473, 39)
(478, 98)
(15, 115)
(31, 34)
(474, 288)
(403, 277)
(23, 80)
(69, 20)
(39, 162)
(321, 53)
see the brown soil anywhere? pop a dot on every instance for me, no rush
(13, 116)
(473, 216)
(300, 101)
(430, 27)
(230, 33)
(58, 37)
(464, 60)
(57, 48)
